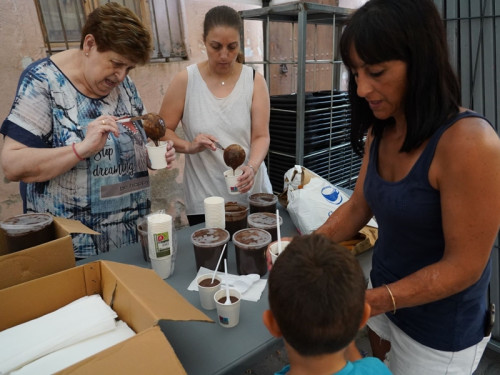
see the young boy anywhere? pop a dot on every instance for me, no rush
(316, 298)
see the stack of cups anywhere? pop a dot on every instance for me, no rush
(160, 243)
(214, 212)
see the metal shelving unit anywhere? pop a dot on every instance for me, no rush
(320, 143)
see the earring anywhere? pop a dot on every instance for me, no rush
(86, 54)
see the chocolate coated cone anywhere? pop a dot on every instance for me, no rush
(154, 126)
(234, 156)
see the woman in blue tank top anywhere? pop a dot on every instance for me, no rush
(431, 177)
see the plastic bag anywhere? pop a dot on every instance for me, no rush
(310, 200)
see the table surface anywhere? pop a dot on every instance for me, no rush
(208, 348)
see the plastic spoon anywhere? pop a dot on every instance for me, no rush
(278, 230)
(228, 297)
(218, 262)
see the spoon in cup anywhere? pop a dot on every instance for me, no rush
(228, 297)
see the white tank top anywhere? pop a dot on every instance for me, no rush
(229, 119)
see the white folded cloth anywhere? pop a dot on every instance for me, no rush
(83, 318)
(59, 360)
(253, 293)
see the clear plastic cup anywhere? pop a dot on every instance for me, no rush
(236, 217)
(28, 230)
(262, 202)
(250, 245)
(266, 221)
(208, 244)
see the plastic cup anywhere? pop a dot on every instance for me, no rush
(208, 244)
(250, 245)
(214, 212)
(236, 217)
(231, 178)
(262, 202)
(229, 315)
(266, 221)
(273, 249)
(142, 229)
(156, 154)
(207, 292)
(28, 230)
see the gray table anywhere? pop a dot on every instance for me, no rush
(206, 348)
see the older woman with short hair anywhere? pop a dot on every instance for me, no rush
(62, 140)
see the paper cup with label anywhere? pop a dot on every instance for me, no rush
(229, 315)
(207, 290)
(231, 177)
(274, 251)
(160, 243)
(156, 154)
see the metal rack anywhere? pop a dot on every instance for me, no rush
(292, 133)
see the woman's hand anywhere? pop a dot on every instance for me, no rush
(97, 134)
(246, 180)
(170, 154)
(201, 143)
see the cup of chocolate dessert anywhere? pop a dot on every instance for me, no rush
(236, 217)
(228, 314)
(250, 246)
(27, 230)
(266, 221)
(274, 249)
(208, 244)
(262, 202)
(231, 178)
(207, 289)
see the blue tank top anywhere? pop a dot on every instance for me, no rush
(408, 213)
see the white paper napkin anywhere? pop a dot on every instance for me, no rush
(252, 294)
(84, 318)
(70, 355)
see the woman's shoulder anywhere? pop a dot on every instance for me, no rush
(470, 128)
(471, 139)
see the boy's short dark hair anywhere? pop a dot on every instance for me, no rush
(317, 295)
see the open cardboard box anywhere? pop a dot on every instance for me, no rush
(139, 297)
(41, 260)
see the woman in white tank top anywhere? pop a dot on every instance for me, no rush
(219, 100)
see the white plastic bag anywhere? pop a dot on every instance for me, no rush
(310, 198)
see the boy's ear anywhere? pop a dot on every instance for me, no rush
(271, 324)
(366, 315)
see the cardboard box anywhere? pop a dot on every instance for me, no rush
(41, 260)
(137, 295)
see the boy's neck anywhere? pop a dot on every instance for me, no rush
(326, 364)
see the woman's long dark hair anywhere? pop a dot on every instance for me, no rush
(411, 31)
